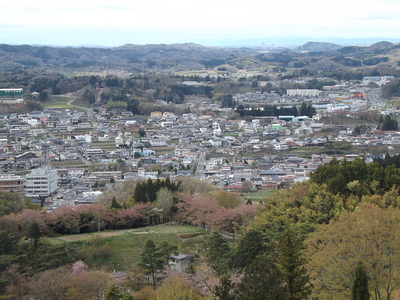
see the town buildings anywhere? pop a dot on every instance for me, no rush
(41, 182)
(94, 150)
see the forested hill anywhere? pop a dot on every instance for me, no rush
(379, 58)
(131, 58)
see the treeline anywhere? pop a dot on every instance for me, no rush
(132, 206)
(146, 191)
(358, 178)
(132, 91)
(346, 214)
(391, 89)
(268, 269)
(74, 220)
(274, 111)
(305, 241)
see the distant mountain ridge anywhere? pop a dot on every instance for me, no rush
(134, 59)
(129, 57)
(291, 41)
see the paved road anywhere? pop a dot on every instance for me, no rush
(375, 100)
(200, 165)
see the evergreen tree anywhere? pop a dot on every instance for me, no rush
(139, 194)
(241, 111)
(158, 184)
(142, 132)
(127, 296)
(218, 253)
(7, 243)
(249, 247)
(380, 121)
(114, 293)
(115, 204)
(167, 250)
(359, 290)
(152, 260)
(263, 280)
(294, 111)
(303, 109)
(225, 289)
(151, 192)
(390, 124)
(311, 111)
(292, 264)
(34, 233)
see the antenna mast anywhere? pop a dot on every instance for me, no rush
(45, 154)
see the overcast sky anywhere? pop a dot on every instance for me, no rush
(118, 22)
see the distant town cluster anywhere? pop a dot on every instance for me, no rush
(67, 156)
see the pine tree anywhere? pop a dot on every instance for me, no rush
(114, 293)
(218, 253)
(263, 280)
(292, 266)
(34, 234)
(225, 289)
(150, 190)
(142, 132)
(151, 260)
(359, 290)
(139, 195)
(249, 247)
(115, 204)
(167, 250)
(7, 242)
(127, 296)
(303, 109)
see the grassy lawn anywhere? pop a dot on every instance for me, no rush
(59, 102)
(117, 250)
(257, 196)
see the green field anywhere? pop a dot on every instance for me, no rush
(117, 250)
(59, 102)
(62, 102)
(257, 196)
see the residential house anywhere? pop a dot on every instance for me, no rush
(181, 261)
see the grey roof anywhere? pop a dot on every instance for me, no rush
(182, 256)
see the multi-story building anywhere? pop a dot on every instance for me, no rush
(88, 153)
(303, 92)
(11, 182)
(41, 182)
(107, 175)
(11, 93)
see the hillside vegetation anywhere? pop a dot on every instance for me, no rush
(329, 58)
(305, 241)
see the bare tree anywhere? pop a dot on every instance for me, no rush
(165, 202)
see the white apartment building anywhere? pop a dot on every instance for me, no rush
(183, 152)
(303, 92)
(41, 182)
(76, 172)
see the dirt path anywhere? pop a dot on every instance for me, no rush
(88, 236)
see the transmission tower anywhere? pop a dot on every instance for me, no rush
(45, 155)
